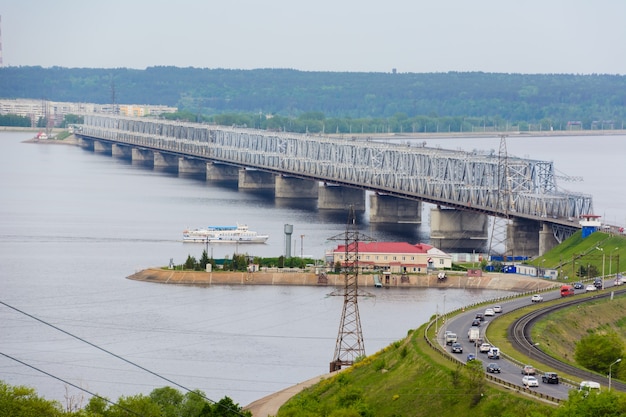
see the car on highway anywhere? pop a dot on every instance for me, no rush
(530, 381)
(590, 288)
(528, 370)
(457, 348)
(490, 312)
(480, 316)
(493, 368)
(484, 348)
(471, 357)
(619, 280)
(497, 309)
(598, 283)
(550, 378)
(579, 286)
(494, 353)
(537, 298)
(475, 323)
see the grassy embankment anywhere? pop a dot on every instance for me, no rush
(410, 378)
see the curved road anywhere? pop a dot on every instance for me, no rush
(510, 371)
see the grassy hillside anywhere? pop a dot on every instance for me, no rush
(409, 379)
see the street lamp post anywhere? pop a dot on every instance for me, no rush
(603, 258)
(611, 261)
(616, 361)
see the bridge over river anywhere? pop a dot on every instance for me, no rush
(466, 188)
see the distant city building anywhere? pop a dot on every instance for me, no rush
(56, 111)
(396, 257)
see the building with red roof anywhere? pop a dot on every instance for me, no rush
(395, 257)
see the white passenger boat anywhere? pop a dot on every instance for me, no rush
(224, 234)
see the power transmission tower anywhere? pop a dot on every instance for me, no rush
(497, 240)
(349, 344)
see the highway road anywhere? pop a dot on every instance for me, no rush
(510, 371)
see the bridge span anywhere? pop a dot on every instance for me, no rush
(465, 187)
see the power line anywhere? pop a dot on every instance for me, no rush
(119, 357)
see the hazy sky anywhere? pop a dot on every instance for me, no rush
(512, 36)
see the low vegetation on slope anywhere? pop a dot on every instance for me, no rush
(409, 379)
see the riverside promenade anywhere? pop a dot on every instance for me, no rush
(491, 281)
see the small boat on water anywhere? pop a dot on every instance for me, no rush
(224, 234)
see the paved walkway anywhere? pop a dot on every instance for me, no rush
(268, 406)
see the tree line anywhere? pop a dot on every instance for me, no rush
(341, 102)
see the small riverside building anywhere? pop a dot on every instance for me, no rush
(396, 257)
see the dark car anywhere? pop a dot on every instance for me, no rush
(476, 323)
(550, 378)
(578, 286)
(493, 368)
(457, 348)
(598, 283)
(471, 357)
(480, 316)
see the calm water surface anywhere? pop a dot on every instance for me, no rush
(74, 224)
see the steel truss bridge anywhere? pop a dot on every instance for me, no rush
(493, 184)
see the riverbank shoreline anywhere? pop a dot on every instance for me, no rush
(505, 282)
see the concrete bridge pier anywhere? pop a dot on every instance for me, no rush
(191, 167)
(522, 237)
(336, 197)
(291, 187)
(389, 209)
(547, 240)
(221, 172)
(85, 143)
(142, 157)
(458, 229)
(102, 147)
(256, 180)
(121, 151)
(165, 162)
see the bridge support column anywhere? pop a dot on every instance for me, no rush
(121, 151)
(165, 162)
(193, 167)
(290, 187)
(336, 197)
(142, 157)
(85, 143)
(458, 229)
(389, 209)
(522, 237)
(221, 172)
(102, 147)
(255, 180)
(547, 240)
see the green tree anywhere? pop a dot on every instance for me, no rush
(598, 350)
(190, 263)
(583, 404)
(20, 401)
(169, 399)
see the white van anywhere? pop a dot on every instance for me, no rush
(450, 338)
(473, 333)
(589, 386)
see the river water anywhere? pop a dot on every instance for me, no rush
(74, 225)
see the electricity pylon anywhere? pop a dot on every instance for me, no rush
(498, 239)
(349, 344)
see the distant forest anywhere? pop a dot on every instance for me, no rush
(341, 101)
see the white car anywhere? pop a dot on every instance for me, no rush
(537, 298)
(497, 309)
(530, 381)
(484, 348)
(490, 312)
(590, 288)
